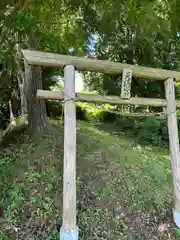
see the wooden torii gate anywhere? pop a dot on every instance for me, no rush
(69, 229)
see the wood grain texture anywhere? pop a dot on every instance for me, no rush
(69, 185)
(173, 139)
(126, 83)
(95, 98)
(85, 64)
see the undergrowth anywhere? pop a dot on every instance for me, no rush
(146, 129)
(124, 189)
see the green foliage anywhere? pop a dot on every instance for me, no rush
(152, 129)
(177, 232)
(177, 90)
(146, 129)
(135, 33)
(88, 112)
(95, 113)
(48, 26)
(54, 108)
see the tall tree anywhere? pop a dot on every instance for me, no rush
(49, 26)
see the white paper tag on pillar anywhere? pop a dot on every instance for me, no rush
(126, 83)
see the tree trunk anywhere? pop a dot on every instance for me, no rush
(37, 116)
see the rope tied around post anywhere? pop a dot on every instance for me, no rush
(63, 102)
(68, 99)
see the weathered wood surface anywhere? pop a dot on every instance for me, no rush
(126, 83)
(173, 140)
(69, 186)
(85, 64)
(95, 98)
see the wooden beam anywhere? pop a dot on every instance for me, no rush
(85, 64)
(95, 98)
(69, 186)
(174, 146)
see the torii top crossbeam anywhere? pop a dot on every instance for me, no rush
(85, 64)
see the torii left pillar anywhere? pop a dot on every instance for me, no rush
(69, 230)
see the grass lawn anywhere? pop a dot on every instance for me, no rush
(124, 189)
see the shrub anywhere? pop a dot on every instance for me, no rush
(54, 108)
(80, 113)
(108, 116)
(148, 129)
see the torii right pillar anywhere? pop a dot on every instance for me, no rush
(174, 146)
